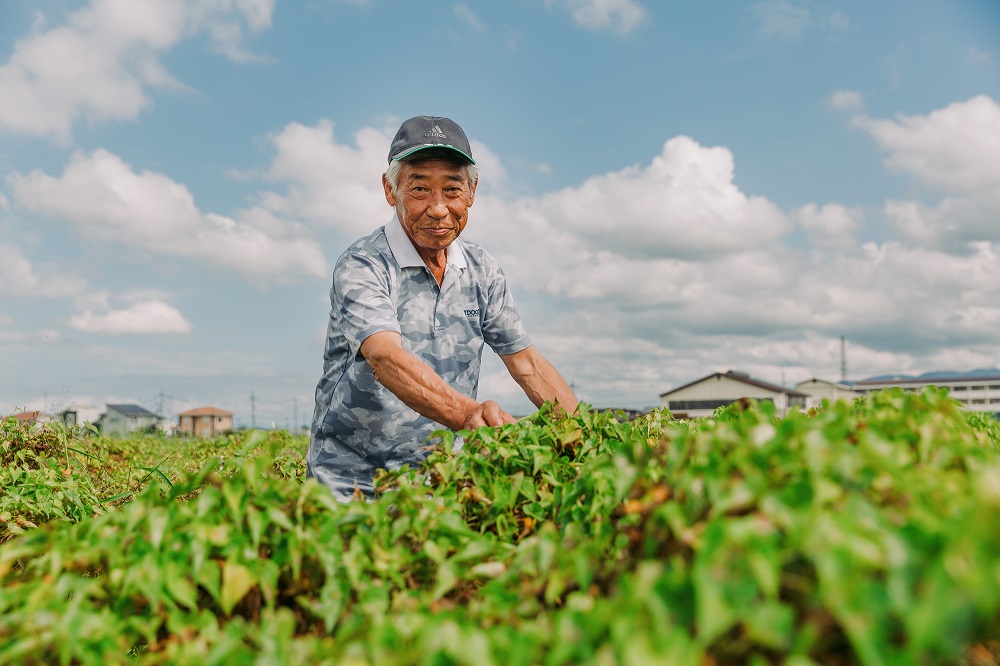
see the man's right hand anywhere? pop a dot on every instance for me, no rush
(487, 413)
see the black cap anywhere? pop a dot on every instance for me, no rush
(422, 132)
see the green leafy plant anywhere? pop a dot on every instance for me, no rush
(856, 533)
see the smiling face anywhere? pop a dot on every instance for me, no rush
(432, 201)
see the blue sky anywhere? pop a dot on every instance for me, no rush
(672, 188)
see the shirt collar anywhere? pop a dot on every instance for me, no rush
(406, 255)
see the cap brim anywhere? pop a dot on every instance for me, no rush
(407, 153)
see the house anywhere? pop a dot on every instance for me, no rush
(703, 396)
(978, 391)
(818, 389)
(30, 417)
(204, 421)
(121, 420)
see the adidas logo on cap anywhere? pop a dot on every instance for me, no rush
(422, 132)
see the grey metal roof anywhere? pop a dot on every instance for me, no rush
(133, 410)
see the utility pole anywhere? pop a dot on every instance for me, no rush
(295, 415)
(163, 411)
(843, 361)
(253, 412)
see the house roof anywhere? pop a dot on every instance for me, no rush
(928, 379)
(845, 387)
(740, 377)
(27, 417)
(133, 410)
(206, 411)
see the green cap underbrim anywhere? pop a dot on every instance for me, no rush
(409, 152)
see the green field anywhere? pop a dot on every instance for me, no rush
(862, 533)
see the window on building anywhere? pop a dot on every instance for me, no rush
(978, 401)
(959, 388)
(995, 387)
(675, 405)
(977, 388)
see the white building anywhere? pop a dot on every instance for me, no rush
(979, 393)
(703, 396)
(818, 389)
(125, 419)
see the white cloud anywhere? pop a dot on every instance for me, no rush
(620, 16)
(955, 148)
(492, 171)
(837, 21)
(979, 55)
(952, 223)
(4, 203)
(103, 62)
(145, 317)
(469, 17)
(326, 183)
(832, 225)
(639, 279)
(47, 336)
(847, 99)
(657, 221)
(106, 199)
(781, 20)
(19, 279)
(337, 186)
(673, 259)
(683, 204)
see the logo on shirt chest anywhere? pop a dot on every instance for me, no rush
(472, 314)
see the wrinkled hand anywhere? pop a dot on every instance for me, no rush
(487, 413)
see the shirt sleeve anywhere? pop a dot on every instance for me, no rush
(503, 330)
(362, 300)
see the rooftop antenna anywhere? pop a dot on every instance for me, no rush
(843, 361)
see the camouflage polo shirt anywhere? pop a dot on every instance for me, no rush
(381, 284)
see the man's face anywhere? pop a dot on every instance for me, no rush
(432, 200)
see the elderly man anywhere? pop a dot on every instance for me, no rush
(412, 306)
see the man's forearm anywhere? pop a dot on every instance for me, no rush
(420, 388)
(539, 379)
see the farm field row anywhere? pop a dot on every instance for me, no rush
(859, 533)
